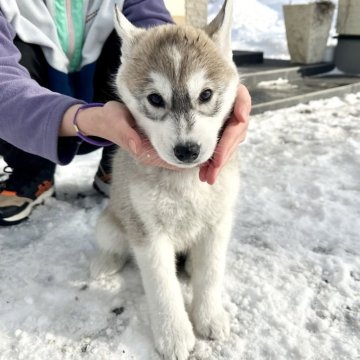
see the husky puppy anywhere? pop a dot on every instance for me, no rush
(180, 85)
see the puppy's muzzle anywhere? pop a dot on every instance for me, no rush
(187, 152)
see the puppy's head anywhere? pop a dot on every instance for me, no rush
(179, 83)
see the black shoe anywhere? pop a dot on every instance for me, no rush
(103, 175)
(21, 192)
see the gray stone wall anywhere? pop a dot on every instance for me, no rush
(348, 20)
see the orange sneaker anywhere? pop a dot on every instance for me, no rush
(19, 195)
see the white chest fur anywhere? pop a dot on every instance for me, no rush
(175, 203)
(156, 213)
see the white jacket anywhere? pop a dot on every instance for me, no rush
(58, 27)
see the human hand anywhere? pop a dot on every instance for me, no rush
(127, 136)
(234, 133)
(113, 122)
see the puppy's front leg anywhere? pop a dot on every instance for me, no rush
(172, 330)
(208, 264)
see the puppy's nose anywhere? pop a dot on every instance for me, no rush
(188, 152)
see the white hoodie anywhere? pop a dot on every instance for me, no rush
(58, 27)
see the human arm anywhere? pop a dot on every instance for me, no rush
(33, 117)
(146, 13)
(30, 114)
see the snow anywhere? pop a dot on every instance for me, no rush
(293, 270)
(280, 84)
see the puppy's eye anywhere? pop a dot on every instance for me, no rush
(205, 95)
(156, 100)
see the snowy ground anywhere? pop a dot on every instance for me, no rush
(293, 272)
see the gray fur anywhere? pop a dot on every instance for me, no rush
(155, 213)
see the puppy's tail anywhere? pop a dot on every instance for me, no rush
(113, 247)
(106, 264)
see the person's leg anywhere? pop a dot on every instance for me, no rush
(103, 176)
(106, 69)
(104, 90)
(32, 177)
(23, 161)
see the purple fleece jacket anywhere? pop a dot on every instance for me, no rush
(30, 115)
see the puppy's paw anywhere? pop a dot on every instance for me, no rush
(212, 325)
(175, 341)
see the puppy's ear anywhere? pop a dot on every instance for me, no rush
(219, 30)
(126, 31)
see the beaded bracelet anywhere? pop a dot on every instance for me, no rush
(83, 136)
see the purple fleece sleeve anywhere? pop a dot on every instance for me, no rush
(30, 115)
(146, 13)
